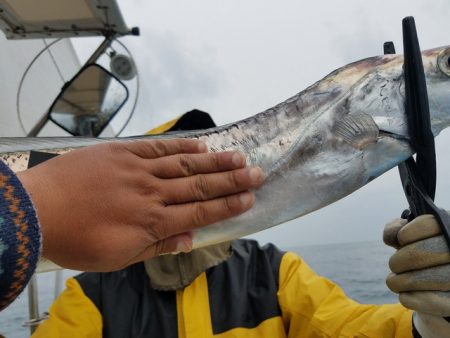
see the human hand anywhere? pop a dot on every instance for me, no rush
(104, 207)
(421, 272)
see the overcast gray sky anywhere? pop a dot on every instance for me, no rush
(236, 58)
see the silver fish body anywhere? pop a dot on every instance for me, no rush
(315, 148)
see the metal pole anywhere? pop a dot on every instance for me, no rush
(38, 127)
(33, 303)
(100, 49)
(58, 283)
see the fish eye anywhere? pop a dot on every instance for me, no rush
(444, 61)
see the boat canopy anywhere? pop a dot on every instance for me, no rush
(31, 19)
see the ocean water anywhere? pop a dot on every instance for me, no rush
(359, 268)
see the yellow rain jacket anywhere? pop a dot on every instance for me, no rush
(258, 292)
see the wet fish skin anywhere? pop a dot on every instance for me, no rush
(315, 148)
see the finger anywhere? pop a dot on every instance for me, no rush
(183, 165)
(421, 227)
(419, 255)
(391, 230)
(173, 244)
(435, 303)
(149, 149)
(189, 216)
(206, 187)
(433, 279)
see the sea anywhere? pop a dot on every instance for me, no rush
(359, 268)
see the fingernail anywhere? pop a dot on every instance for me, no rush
(238, 159)
(255, 174)
(202, 147)
(183, 246)
(246, 198)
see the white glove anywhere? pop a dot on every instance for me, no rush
(421, 272)
(430, 326)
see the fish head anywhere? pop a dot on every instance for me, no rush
(381, 92)
(436, 64)
(381, 98)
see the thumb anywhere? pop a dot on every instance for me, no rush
(174, 244)
(391, 230)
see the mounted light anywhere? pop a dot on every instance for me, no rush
(25, 19)
(122, 66)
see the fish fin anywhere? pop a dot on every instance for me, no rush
(18, 144)
(358, 130)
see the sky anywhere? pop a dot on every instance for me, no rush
(234, 59)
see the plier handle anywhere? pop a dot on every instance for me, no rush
(418, 175)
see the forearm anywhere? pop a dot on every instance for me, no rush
(20, 239)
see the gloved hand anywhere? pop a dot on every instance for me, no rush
(421, 272)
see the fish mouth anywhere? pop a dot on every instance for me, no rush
(390, 134)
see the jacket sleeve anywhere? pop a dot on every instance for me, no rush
(312, 306)
(20, 238)
(73, 315)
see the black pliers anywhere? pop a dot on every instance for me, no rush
(418, 175)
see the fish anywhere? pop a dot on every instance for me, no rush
(315, 148)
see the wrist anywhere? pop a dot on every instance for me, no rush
(40, 198)
(19, 236)
(429, 326)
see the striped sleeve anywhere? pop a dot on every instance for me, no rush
(20, 238)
